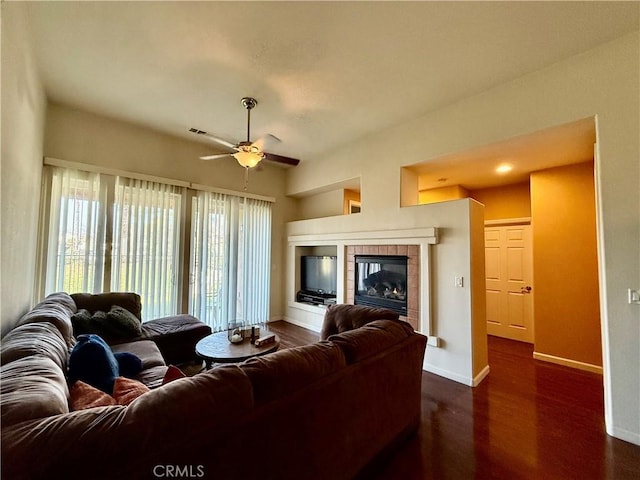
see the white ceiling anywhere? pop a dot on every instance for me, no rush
(324, 73)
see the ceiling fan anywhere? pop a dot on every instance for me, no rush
(247, 153)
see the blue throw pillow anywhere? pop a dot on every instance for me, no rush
(93, 362)
(130, 364)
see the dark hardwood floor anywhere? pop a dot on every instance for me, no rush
(292, 335)
(527, 420)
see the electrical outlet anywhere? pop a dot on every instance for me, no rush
(459, 282)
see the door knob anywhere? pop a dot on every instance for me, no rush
(526, 289)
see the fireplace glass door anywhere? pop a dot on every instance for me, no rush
(381, 281)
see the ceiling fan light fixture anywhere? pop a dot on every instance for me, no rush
(248, 159)
(248, 153)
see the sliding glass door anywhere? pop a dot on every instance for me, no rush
(112, 233)
(230, 256)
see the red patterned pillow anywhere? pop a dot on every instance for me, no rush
(84, 396)
(126, 390)
(173, 373)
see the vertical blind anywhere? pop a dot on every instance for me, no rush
(75, 244)
(255, 259)
(112, 233)
(146, 243)
(230, 258)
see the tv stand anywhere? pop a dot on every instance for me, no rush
(316, 298)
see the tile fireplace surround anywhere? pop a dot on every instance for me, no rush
(413, 274)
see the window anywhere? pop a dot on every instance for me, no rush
(112, 233)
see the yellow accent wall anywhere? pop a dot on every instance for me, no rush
(478, 292)
(348, 196)
(508, 201)
(565, 270)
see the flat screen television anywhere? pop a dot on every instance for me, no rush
(319, 274)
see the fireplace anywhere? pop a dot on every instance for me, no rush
(381, 281)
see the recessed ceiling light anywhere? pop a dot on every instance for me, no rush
(504, 168)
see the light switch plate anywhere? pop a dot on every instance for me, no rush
(459, 282)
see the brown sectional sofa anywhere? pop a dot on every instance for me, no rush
(175, 336)
(320, 411)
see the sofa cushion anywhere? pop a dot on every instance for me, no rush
(372, 338)
(93, 362)
(153, 377)
(206, 399)
(83, 396)
(38, 338)
(344, 317)
(56, 309)
(176, 336)
(104, 301)
(279, 373)
(146, 350)
(32, 388)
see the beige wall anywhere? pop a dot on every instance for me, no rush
(79, 136)
(320, 205)
(451, 307)
(508, 201)
(566, 305)
(602, 82)
(23, 113)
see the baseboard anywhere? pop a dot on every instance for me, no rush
(448, 374)
(481, 376)
(568, 363)
(308, 325)
(626, 435)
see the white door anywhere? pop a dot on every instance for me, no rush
(508, 267)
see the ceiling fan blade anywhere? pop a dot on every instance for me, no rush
(215, 157)
(272, 157)
(266, 139)
(213, 138)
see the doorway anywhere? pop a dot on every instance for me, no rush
(560, 315)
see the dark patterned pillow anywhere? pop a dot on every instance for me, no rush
(116, 324)
(82, 323)
(122, 323)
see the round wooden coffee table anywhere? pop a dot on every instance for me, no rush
(217, 348)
